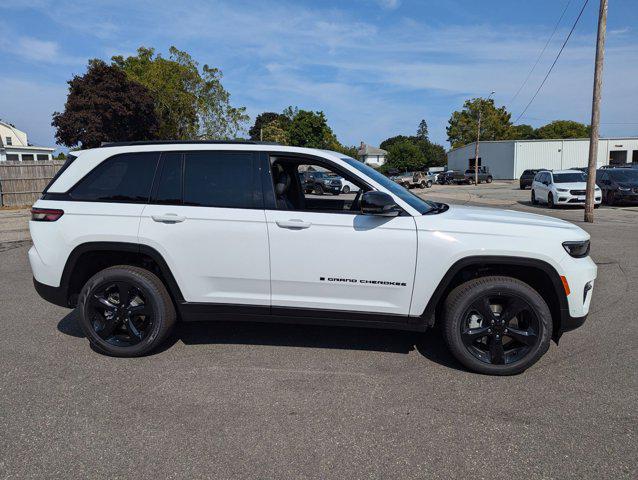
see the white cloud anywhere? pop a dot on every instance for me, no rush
(389, 4)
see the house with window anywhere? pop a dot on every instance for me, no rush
(15, 147)
(375, 157)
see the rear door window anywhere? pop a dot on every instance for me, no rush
(169, 185)
(220, 179)
(125, 178)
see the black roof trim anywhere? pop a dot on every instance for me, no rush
(187, 142)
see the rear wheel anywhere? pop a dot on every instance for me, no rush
(610, 198)
(429, 184)
(423, 184)
(489, 180)
(497, 325)
(126, 311)
(319, 190)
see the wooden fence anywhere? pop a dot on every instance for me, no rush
(21, 183)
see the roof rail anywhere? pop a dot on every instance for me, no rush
(189, 142)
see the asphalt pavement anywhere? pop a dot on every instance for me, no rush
(224, 400)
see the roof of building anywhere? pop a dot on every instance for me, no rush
(544, 140)
(19, 139)
(366, 149)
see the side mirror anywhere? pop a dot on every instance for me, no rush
(379, 203)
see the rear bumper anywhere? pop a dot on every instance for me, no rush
(55, 295)
(570, 323)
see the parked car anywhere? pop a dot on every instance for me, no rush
(404, 179)
(422, 179)
(449, 177)
(618, 185)
(561, 187)
(527, 177)
(484, 175)
(348, 187)
(321, 182)
(218, 231)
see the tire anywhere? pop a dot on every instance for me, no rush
(522, 186)
(550, 200)
(423, 184)
(150, 296)
(346, 189)
(611, 198)
(534, 326)
(319, 190)
(534, 199)
(429, 184)
(489, 180)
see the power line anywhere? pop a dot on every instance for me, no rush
(540, 54)
(555, 60)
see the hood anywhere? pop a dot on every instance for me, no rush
(494, 221)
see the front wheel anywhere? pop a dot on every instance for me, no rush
(497, 325)
(346, 189)
(550, 200)
(429, 184)
(534, 199)
(423, 184)
(489, 180)
(319, 190)
(125, 311)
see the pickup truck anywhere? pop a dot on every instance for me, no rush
(484, 175)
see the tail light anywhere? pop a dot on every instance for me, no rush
(46, 214)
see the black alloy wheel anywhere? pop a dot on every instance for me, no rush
(496, 325)
(125, 311)
(500, 329)
(120, 314)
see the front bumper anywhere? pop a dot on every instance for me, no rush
(566, 198)
(630, 196)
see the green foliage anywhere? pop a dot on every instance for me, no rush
(263, 119)
(521, 132)
(60, 156)
(275, 131)
(422, 131)
(189, 103)
(463, 124)
(310, 129)
(563, 129)
(405, 155)
(103, 105)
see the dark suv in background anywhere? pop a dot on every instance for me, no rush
(528, 177)
(618, 185)
(321, 182)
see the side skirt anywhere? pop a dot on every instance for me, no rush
(197, 312)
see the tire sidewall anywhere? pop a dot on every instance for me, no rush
(152, 295)
(454, 316)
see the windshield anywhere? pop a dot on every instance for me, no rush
(422, 206)
(624, 175)
(569, 177)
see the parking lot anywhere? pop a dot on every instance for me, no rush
(226, 400)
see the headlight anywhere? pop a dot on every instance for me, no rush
(624, 189)
(597, 188)
(577, 249)
(561, 190)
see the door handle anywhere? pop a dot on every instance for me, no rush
(294, 224)
(168, 218)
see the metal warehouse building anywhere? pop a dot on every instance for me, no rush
(506, 159)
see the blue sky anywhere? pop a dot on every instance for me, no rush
(375, 67)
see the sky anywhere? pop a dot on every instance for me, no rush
(375, 67)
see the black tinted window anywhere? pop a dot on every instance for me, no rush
(219, 179)
(123, 178)
(169, 186)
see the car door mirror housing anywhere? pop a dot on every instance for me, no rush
(379, 203)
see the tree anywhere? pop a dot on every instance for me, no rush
(310, 129)
(266, 118)
(189, 103)
(405, 155)
(388, 142)
(103, 105)
(274, 132)
(563, 129)
(422, 131)
(60, 156)
(462, 128)
(521, 132)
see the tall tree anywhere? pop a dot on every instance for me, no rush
(190, 103)
(422, 131)
(521, 132)
(462, 127)
(310, 129)
(103, 105)
(563, 129)
(405, 155)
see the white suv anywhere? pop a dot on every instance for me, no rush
(562, 187)
(141, 235)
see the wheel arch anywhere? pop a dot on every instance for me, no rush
(539, 274)
(89, 258)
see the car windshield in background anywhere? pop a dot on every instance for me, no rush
(569, 177)
(422, 206)
(624, 175)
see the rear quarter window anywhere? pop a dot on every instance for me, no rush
(123, 178)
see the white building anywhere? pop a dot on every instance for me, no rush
(14, 146)
(375, 157)
(506, 159)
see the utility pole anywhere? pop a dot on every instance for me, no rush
(595, 112)
(478, 139)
